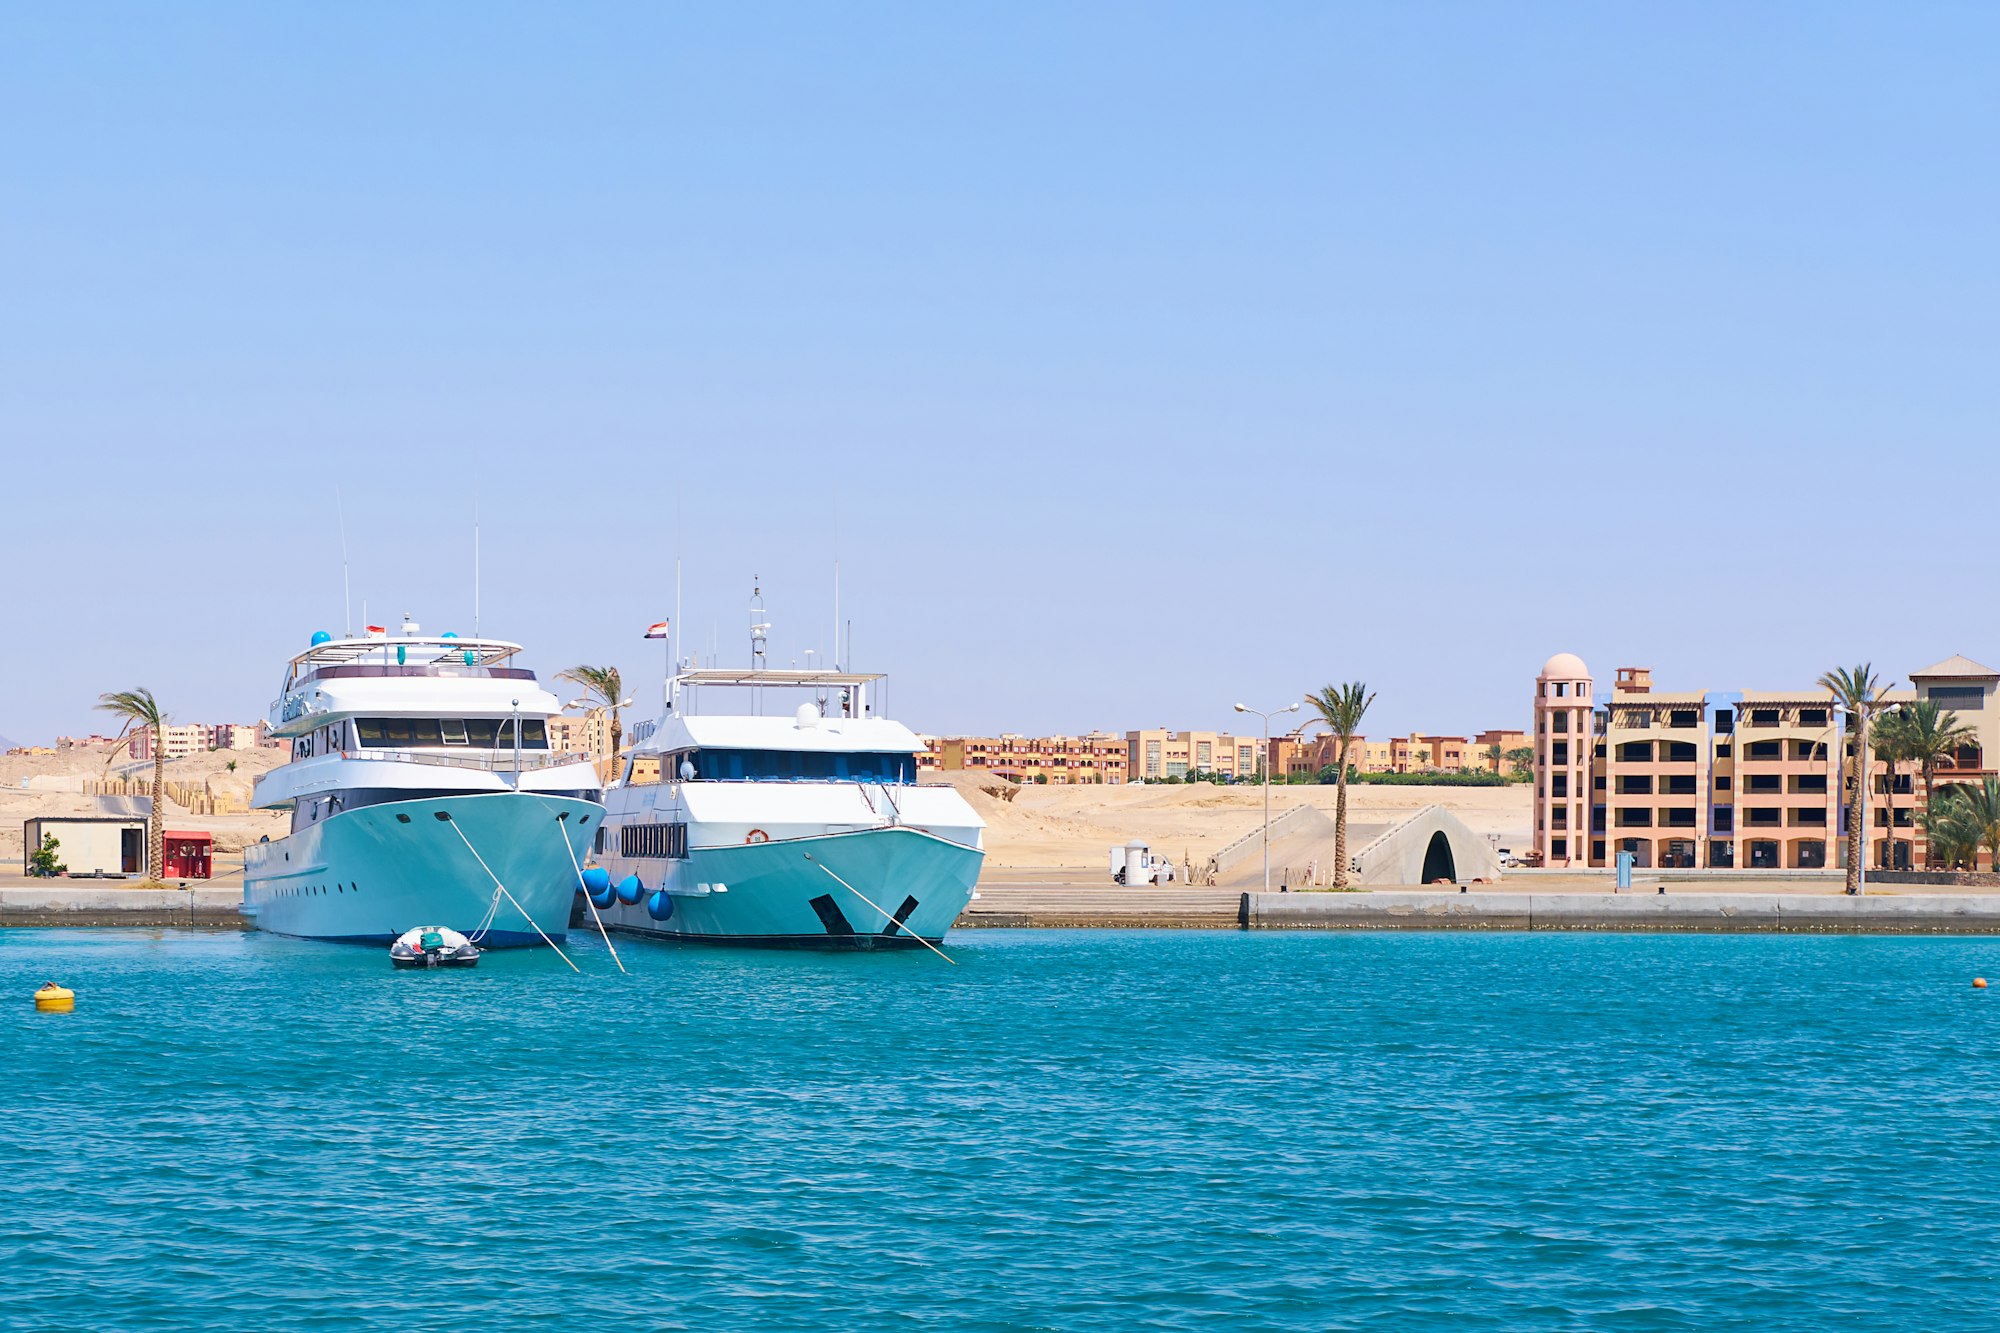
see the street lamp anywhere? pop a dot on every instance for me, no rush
(1288, 708)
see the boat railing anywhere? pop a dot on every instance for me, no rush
(493, 761)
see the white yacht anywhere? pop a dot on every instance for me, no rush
(422, 790)
(802, 828)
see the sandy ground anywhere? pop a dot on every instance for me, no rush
(1072, 829)
(231, 831)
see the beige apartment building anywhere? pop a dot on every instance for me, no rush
(1749, 780)
(1096, 759)
(1156, 754)
(1300, 756)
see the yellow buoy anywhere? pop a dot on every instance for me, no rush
(54, 999)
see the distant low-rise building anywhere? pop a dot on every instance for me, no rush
(1098, 758)
(1160, 753)
(175, 742)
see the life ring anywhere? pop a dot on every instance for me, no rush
(756, 835)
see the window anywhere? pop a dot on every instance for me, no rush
(1639, 818)
(1723, 751)
(1634, 786)
(1722, 784)
(1812, 717)
(1765, 750)
(1559, 785)
(656, 841)
(1763, 717)
(801, 766)
(1686, 718)
(1562, 722)
(1681, 752)
(1756, 783)
(1725, 819)
(1725, 721)
(1677, 817)
(1559, 847)
(1636, 752)
(482, 733)
(1559, 752)
(1959, 698)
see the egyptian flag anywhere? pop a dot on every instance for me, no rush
(658, 631)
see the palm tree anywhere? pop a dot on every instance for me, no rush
(1951, 834)
(1978, 809)
(1858, 690)
(1494, 755)
(141, 711)
(602, 684)
(1892, 746)
(1341, 708)
(1930, 736)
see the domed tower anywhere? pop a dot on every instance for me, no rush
(1564, 710)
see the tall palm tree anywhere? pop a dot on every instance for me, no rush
(1930, 736)
(1891, 735)
(1341, 708)
(1978, 808)
(1858, 690)
(141, 712)
(603, 685)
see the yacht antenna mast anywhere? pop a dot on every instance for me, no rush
(346, 591)
(475, 562)
(760, 635)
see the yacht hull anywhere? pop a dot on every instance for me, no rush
(372, 873)
(770, 893)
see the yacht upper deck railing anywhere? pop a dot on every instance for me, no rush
(489, 761)
(406, 655)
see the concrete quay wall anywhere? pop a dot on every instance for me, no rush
(1800, 913)
(66, 903)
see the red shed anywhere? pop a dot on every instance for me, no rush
(188, 855)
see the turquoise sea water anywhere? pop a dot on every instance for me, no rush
(1066, 1130)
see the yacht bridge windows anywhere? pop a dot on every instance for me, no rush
(733, 765)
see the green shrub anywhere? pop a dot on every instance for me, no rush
(42, 864)
(1475, 779)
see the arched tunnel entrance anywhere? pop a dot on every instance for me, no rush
(1438, 864)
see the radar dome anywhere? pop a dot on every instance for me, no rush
(1565, 666)
(320, 636)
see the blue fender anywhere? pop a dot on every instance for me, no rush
(630, 890)
(660, 905)
(596, 879)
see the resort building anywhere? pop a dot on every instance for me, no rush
(1303, 756)
(175, 742)
(1749, 780)
(1152, 755)
(1098, 758)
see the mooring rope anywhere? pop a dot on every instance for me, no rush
(898, 924)
(510, 897)
(586, 896)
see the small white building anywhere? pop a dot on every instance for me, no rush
(89, 844)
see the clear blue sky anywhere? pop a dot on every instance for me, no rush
(1151, 356)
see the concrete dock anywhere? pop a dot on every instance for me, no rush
(65, 902)
(1489, 909)
(218, 907)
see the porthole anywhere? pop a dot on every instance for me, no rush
(402, 819)
(442, 816)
